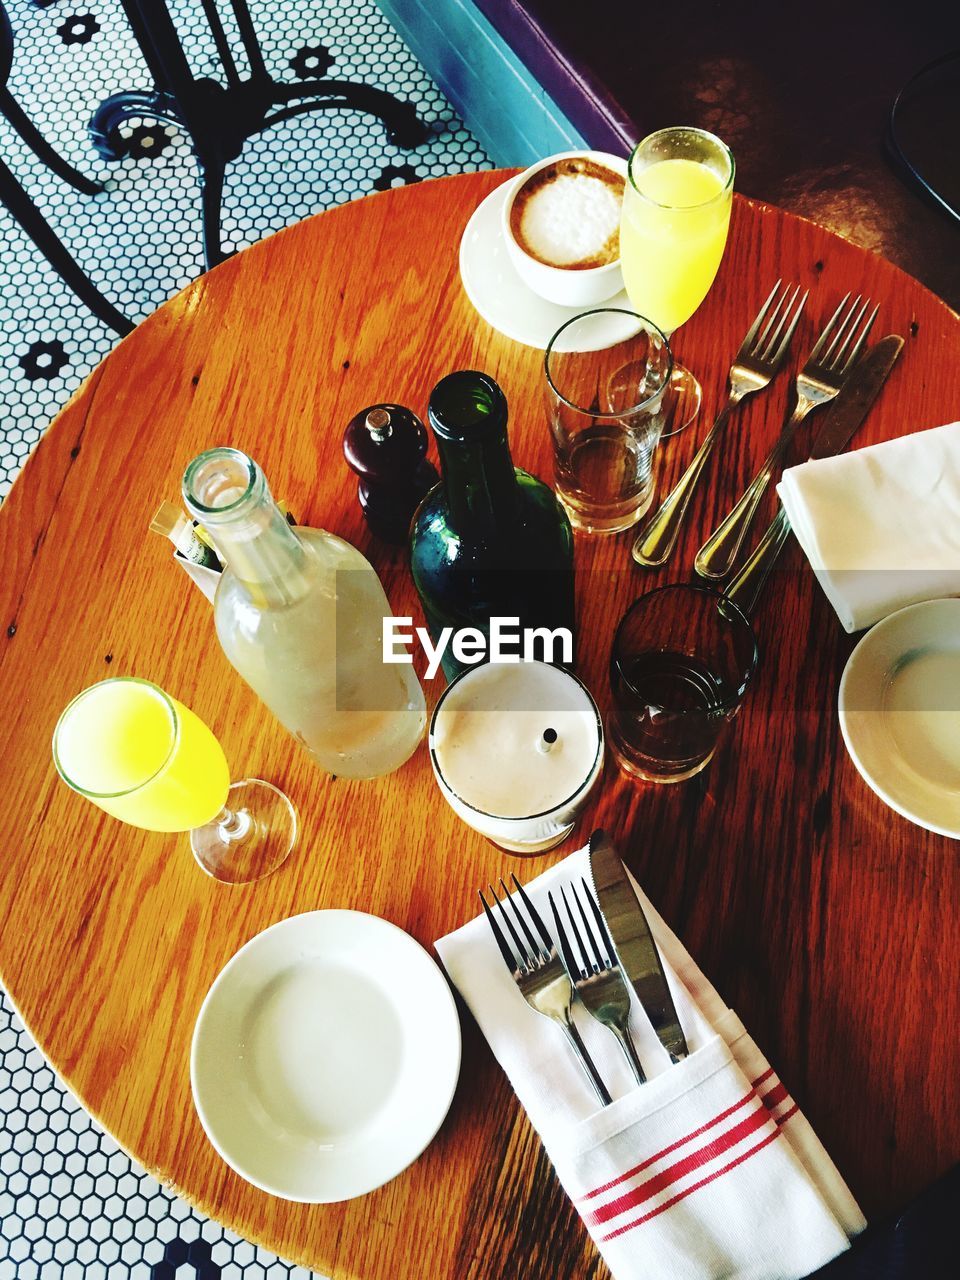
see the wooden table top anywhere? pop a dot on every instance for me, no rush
(821, 916)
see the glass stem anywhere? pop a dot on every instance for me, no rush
(233, 825)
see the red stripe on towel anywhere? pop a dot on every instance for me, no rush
(774, 1097)
(637, 1222)
(636, 1196)
(630, 1173)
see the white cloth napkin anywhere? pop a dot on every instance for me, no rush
(881, 526)
(706, 1171)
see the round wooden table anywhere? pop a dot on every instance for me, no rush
(821, 915)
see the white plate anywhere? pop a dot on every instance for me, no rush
(325, 1056)
(900, 713)
(497, 292)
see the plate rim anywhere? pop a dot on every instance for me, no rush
(447, 1096)
(865, 643)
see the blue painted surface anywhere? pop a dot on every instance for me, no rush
(498, 98)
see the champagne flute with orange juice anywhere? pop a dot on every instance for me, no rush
(673, 230)
(145, 758)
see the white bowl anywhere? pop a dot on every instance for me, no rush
(566, 286)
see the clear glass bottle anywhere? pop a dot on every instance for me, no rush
(299, 614)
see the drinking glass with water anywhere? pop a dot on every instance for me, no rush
(681, 661)
(607, 371)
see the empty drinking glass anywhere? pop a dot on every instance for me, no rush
(607, 371)
(681, 662)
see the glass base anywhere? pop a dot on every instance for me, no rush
(635, 769)
(250, 837)
(603, 519)
(682, 401)
(535, 847)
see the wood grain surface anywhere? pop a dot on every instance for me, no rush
(825, 919)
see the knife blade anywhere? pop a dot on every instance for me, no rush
(636, 949)
(857, 394)
(843, 419)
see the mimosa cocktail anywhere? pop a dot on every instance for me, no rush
(145, 758)
(672, 239)
(142, 756)
(673, 228)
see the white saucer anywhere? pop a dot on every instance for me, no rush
(900, 713)
(325, 1056)
(497, 292)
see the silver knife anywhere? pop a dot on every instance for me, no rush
(842, 422)
(636, 949)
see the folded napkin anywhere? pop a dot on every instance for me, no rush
(706, 1171)
(881, 526)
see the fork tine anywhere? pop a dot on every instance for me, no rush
(779, 329)
(601, 924)
(827, 329)
(525, 962)
(848, 332)
(752, 331)
(785, 341)
(518, 915)
(574, 968)
(534, 913)
(845, 328)
(573, 925)
(851, 359)
(505, 951)
(770, 321)
(594, 945)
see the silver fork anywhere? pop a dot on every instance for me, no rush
(760, 356)
(818, 382)
(539, 973)
(595, 971)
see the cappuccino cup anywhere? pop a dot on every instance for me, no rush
(561, 226)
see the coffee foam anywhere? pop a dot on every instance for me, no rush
(568, 214)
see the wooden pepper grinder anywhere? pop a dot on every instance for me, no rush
(386, 446)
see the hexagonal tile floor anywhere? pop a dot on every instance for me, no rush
(73, 1206)
(140, 239)
(71, 1203)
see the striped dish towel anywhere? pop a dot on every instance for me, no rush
(708, 1170)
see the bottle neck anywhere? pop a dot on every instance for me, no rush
(479, 481)
(468, 414)
(263, 553)
(228, 494)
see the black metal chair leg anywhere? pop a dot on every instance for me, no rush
(104, 127)
(43, 236)
(218, 117)
(41, 148)
(404, 127)
(211, 194)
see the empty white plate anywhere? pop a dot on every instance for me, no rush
(900, 713)
(325, 1056)
(497, 292)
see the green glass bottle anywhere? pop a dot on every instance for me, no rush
(489, 540)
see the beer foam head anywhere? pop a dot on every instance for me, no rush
(568, 214)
